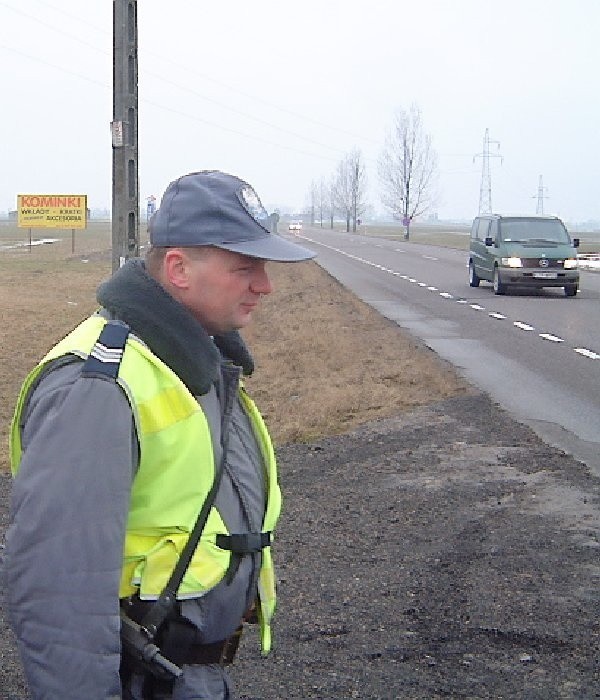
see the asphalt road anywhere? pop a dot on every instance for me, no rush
(536, 353)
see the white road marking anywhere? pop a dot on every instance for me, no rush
(553, 338)
(429, 257)
(518, 324)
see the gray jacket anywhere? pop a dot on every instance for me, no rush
(71, 496)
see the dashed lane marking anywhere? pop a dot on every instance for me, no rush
(446, 295)
(553, 338)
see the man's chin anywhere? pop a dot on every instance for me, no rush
(238, 323)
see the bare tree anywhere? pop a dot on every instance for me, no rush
(331, 197)
(313, 198)
(359, 186)
(342, 191)
(323, 200)
(407, 168)
(349, 188)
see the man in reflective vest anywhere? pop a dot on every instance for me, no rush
(130, 427)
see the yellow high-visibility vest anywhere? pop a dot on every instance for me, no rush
(175, 475)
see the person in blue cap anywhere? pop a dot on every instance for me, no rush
(133, 438)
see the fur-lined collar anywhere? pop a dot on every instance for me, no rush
(168, 328)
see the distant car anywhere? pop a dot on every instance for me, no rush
(295, 226)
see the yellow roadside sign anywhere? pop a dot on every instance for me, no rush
(52, 210)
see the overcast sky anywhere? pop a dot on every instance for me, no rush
(278, 91)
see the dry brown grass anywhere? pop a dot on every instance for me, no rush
(326, 362)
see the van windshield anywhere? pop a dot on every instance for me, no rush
(533, 230)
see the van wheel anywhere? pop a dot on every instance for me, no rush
(570, 290)
(499, 287)
(474, 280)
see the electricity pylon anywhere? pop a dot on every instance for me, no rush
(540, 197)
(485, 191)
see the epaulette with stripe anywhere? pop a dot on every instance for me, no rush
(107, 353)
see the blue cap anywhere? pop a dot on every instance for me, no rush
(217, 209)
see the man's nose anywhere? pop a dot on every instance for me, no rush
(261, 283)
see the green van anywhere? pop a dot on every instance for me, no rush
(523, 251)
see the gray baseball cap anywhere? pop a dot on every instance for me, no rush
(213, 208)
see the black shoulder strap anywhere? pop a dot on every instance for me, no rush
(107, 353)
(164, 605)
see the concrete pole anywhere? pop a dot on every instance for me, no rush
(124, 127)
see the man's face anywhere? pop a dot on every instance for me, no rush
(221, 288)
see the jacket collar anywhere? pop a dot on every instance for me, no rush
(168, 328)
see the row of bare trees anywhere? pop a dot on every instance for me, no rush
(344, 193)
(406, 170)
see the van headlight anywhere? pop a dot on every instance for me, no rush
(512, 262)
(570, 263)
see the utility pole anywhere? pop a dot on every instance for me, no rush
(124, 128)
(540, 197)
(485, 190)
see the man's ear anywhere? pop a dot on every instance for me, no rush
(176, 268)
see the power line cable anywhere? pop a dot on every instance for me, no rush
(54, 65)
(51, 26)
(193, 117)
(184, 88)
(164, 59)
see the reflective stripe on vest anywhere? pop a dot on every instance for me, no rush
(174, 438)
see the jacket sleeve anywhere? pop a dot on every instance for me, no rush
(64, 545)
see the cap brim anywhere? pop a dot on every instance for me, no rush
(271, 247)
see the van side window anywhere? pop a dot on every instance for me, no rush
(474, 226)
(494, 232)
(482, 229)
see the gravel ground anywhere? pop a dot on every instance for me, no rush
(445, 553)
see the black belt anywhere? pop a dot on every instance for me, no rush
(176, 640)
(222, 652)
(178, 646)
